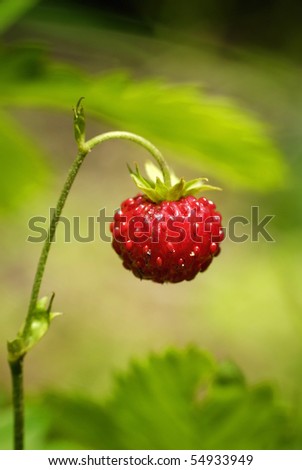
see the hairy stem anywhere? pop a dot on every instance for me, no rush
(51, 233)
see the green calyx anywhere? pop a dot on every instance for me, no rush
(157, 189)
(33, 330)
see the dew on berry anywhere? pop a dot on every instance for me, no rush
(118, 215)
(159, 261)
(124, 228)
(170, 247)
(213, 247)
(128, 244)
(117, 231)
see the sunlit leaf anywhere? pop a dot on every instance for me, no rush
(203, 131)
(22, 169)
(12, 10)
(209, 133)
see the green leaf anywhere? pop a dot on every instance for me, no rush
(179, 400)
(156, 400)
(86, 423)
(28, 78)
(204, 132)
(183, 400)
(22, 168)
(12, 10)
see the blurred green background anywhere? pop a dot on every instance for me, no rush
(217, 89)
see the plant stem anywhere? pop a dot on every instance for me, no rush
(51, 233)
(138, 140)
(16, 368)
(16, 357)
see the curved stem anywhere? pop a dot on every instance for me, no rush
(138, 140)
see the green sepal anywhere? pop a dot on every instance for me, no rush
(158, 191)
(177, 191)
(33, 330)
(199, 184)
(144, 185)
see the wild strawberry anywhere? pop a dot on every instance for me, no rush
(167, 234)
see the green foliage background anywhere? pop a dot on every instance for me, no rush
(232, 114)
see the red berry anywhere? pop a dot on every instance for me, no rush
(168, 241)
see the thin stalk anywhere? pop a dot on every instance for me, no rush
(51, 233)
(16, 368)
(16, 364)
(138, 140)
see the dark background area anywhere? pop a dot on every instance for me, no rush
(275, 25)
